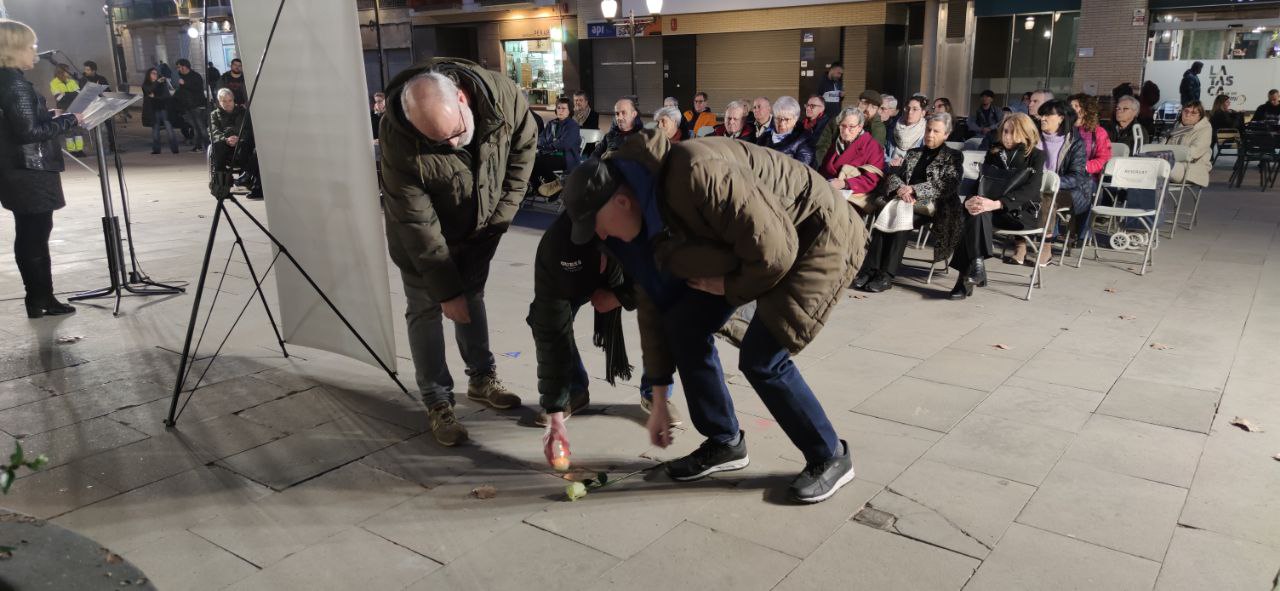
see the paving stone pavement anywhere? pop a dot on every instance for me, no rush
(1047, 444)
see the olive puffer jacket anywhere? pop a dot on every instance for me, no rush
(439, 199)
(29, 133)
(777, 232)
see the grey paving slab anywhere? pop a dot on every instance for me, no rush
(1036, 403)
(954, 508)
(81, 440)
(979, 371)
(140, 516)
(68, 409)
(24, 362)
(758, 511)
(859, 557)
(228, 397)
(1151, 452)
(533, 559)
(650, 506)
(352, 559)
(922, 403)
(138, 464)
(48, 493)
(1199, 559)
(1001, 447)
(184, 561)
(290, 460)
(273, 527)
(1202, 372)
(701, 558)
(298, 411)
(1030, 558)
(20, 391)
(1112, 510)
(846, 377)
(1162, 404)
(1073, 369)
(1235, 487)
(881, 449)
(449, 521)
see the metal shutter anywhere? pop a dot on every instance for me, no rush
(611, 59)
(746, 65)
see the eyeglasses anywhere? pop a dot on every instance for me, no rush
(448, 142)
(849, 127)
(699, 101)
(812, 106)
(783, 119)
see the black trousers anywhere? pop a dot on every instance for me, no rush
(224, 156)
(884, 254)
(975, 243)
(31, 249)
(544, 168)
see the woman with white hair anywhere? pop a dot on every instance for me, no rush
(668, 120)
(30, 163)
(788, 137)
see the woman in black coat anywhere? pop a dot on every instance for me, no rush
(156, 102)
(1011, 178)
(30, 163)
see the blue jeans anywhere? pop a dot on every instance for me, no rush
(161, 117)
(690, 325)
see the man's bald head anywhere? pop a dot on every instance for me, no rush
(624, 113)
(438, 109)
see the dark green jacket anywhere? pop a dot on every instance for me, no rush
(440, 200)
(832, 131)
(564, 277)
(227, 123)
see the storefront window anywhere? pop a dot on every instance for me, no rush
(1017, 53)
(535, 66)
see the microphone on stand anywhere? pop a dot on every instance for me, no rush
(47, 53)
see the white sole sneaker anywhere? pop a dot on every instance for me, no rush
(846, 479)
(725, 467)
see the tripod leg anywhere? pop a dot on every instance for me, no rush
(325, 297)
(257, 285)
(195, 311)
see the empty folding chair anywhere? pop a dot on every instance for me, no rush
(1048, 187)
(1130, 173)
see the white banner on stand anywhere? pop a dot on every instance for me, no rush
(315, 148)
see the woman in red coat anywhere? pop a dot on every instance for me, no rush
(855, 161)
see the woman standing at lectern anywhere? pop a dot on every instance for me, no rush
(30, 163)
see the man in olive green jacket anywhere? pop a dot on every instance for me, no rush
(738, 223)
(458, 144)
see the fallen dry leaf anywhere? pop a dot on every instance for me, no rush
(1276, 457)
(1110, 290)
(112, 557)
(857, 296)
(484, 492)
(1127, 317)
(1001, 346)
(1246, 425)
(70, 339)
(1160, 346)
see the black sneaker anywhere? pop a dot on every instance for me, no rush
(709, 458)
(820, 480)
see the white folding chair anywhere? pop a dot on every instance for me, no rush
(1048, 186)
(1179, 188)
(591, 136)
(706, 130)
(955, 145)
(973, 143)
(1119, 150)
(971, 172)
(1130, 173)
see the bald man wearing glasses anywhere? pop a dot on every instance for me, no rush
(458, 145)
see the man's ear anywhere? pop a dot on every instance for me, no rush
(462, 98)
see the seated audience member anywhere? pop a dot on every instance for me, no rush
(928, 182)
(1065, 155)
(787, 136)
(943, 105)
(735, 123)
(1012, 175)
(986, 116)
(762, 112)
(583, 114)
(672, 102)
(231, 134)
(1097, 144)
(668, 120)
(908, 133)
(854, 161)
(1125, 129)
(869, 103)
(815, 120)
(626, 121)
(1193, 131)
(701, 115)
(889, 113)
(375, 111)
(1023, 105)
(1270, 110)
(559, 149)
(1222, 117)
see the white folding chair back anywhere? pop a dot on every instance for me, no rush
(591, 136)
(1130, 173)
(955, 145)
(1178, 188)
(651, 125)
(973, 143)
(1048, 187)
(1119, 151)
(973, 160)
(706, 130)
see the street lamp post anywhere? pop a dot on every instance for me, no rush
(610, 10)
